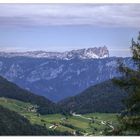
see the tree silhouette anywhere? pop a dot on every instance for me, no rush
(130, 117)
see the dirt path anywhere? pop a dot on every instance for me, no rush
(101, 121)
(79, 115)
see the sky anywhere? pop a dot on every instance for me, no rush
(64, 27)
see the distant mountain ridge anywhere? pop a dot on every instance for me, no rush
(57, 79)
(89, 53)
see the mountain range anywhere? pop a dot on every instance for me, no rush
(105, 97)
(57, 79)
(90, 53)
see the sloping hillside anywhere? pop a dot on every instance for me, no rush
(56, 124)
(104, 97)
(11, 123)
(10, 90)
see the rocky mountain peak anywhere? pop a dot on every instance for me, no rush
(89, 53)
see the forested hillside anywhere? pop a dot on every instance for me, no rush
(104, 97)
(10, 90)
(11, 123)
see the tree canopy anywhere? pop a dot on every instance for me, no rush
(130, 82)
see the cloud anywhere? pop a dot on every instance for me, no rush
(114, 15)
(120, 52)
(120, 49)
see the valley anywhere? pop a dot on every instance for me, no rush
(69, 69)
(92, 124)
(93, 112)
(57, 79)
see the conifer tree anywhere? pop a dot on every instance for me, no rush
(129, 119)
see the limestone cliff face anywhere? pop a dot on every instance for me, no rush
(89, 53)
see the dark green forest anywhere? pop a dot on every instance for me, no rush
(105, 97)
(129, 118)
(11, 90)
(11, 123)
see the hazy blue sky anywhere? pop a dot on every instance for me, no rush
(62, 27)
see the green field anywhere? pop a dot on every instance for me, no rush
(87, 124)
